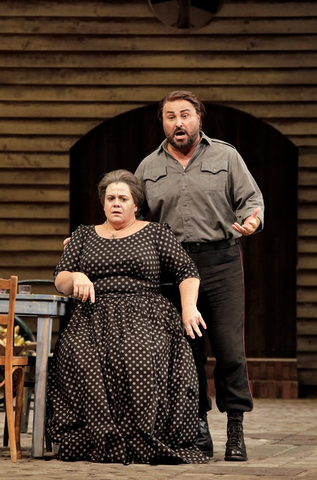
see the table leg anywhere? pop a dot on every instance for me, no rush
(43, 347)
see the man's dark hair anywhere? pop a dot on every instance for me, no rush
(181, 95)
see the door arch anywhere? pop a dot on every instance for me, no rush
(270, 257)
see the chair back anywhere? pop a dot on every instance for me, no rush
(7, 319)
(13, 371)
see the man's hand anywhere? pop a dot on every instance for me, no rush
(250, 225)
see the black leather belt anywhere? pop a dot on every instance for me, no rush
(197, 247)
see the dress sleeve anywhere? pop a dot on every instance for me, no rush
(71, 257)
(175, 262)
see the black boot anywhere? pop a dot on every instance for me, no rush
(204, 441)
(235, 446)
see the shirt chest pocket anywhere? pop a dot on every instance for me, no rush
(155, 182)
(213, 176)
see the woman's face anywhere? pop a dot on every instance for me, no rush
(119, 205)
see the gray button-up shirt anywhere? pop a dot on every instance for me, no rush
(202, 201)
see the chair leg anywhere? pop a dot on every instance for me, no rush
(18, 411)
(9, 412)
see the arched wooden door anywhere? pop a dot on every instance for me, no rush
(269, 258)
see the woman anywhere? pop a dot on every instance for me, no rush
(123, 383)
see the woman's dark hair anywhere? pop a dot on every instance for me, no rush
(123, 176)
(182, 95)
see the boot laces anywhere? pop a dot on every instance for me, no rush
(235, 429)
(234, 433)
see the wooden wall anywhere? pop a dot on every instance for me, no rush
(67, 66)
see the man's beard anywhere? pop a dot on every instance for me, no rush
(183, 146)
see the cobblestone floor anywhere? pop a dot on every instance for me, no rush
(281, 438)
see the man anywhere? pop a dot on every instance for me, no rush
(202, 188)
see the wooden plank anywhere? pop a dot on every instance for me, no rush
(307, 195)
(303, 141)
(306, 278)
(33, 227)
(29, 259)
(112, 8)
(306, 295)
(33, 193)
(28, 272)
(47, 126)
(32, 244)
(307, 262)
(289, 128)
(307, 158)
(307, 245)
(157, 43)
(307, 328)
(294, 127)
(34, 177)
(140, 8)
(308, 310)
(35, 210)
(307, 178)
(66, 110)
(307, 360)
(146, 26)
(307, 229)
(307, 344)
(259, 8)
(179, 76)
(49, 144)
(307, 212)
(34, 160)
(162, 61)
(268, 110)
(148, 94)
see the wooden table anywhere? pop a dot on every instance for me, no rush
(45, 308)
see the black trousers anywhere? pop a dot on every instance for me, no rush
(221, 303)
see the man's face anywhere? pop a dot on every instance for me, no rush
(181, 123)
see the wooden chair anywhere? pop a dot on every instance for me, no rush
(13, 371)
(29, 377)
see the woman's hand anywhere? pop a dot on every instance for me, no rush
(83, 288)
(66, 242)
(188, 289)
(192, 319)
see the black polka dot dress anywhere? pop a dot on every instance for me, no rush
(123, 386)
